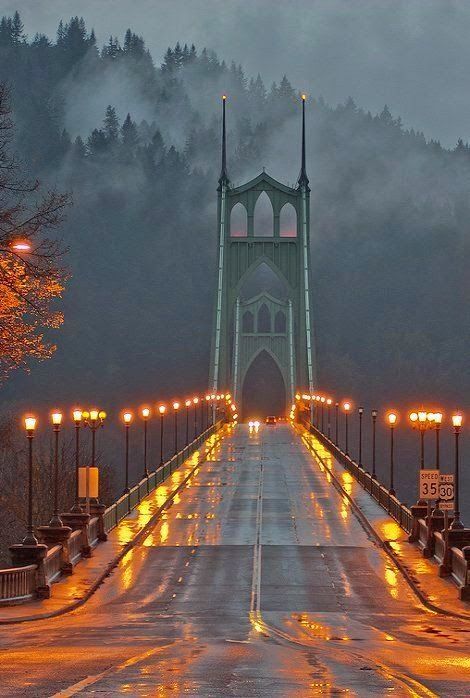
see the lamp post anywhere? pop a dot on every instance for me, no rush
(457, 424)
(392, 420)
(77, 418)
(347, 409)
(94, 419)
(127, 419)
(208, 397)
(374, 425)
(145, 416)
(195, 401)
(322, 402)
(161, 411)
(30, 425)
(421, 421)
(212, 410)
(56, 417)
(176, 406)
(328, 415)
(437, 426)
(188, 405)
(361, 412)
(336, 422)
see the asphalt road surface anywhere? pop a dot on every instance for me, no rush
(258, 581)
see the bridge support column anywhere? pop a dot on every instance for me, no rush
(418, 512)
(58, 535)
(24, 555)
(98, 510)
(79, 522)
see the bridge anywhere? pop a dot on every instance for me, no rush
(247, 559)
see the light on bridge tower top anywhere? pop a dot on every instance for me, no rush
(223, 179)
(303, 179)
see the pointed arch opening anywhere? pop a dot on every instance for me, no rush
(280, 324)
(238, 221)
(263, 391)
(264, 278)
(264, 216)
(288, 222)
(264, 320)
(248, 322)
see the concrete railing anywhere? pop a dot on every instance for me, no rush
(452, 551)
(25, 582)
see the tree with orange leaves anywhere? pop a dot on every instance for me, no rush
(31, 272)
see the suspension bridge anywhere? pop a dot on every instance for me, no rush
(249, 559)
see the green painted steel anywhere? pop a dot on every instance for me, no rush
(233, 348)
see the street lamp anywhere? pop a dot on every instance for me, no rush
(437, 425)
(127, 419)
(336, 422)
(392, 420)
(347, 409)
(329, 402)
(145, 412)
(176, 406)
(188, 405)
(195, 401)
(56, 418)
(374, 420)
(361, 412)
(421, 421)
(208, 397)
(77, 418)
(94, 420)
(457, 424)
(30, 426)
(322, 401)
(161, 411)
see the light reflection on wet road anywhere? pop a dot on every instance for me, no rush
(258, 581)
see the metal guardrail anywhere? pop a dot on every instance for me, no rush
(20, 583)
(451, 559)
(382, 496)
(53, 563)
(125, 504)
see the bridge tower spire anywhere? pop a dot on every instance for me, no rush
(303, 179)
(223, 172)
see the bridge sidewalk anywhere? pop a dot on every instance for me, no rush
(422, 572)
(71, 592)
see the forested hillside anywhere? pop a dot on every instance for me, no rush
(135, 138)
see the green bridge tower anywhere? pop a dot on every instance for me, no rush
(286, 332)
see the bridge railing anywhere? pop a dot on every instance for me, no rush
(23, 583)
(453, 559)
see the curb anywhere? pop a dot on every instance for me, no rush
(113, 563)
(385, 546)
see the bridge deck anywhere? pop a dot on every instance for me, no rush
(258, 581)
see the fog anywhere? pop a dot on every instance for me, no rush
(413, 55)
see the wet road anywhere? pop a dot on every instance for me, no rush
(258, 581)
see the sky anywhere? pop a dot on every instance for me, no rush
(413, 55)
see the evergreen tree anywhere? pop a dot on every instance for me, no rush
(130, 138)
(111, 125)
(17, 29)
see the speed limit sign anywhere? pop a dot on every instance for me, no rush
(446, 488)
(428, 484)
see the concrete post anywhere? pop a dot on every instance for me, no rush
(79, 522)
(24, 555)
(58, 535)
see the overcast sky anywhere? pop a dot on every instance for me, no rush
(413, 55)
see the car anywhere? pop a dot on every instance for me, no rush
(271, 420)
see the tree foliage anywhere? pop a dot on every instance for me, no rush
(29, 281)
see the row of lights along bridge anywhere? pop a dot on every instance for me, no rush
(421, 420)
(94, 419)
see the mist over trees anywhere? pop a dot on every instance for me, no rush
(138, 145)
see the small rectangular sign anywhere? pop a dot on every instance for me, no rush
(92, 482)
(447, 506)
(428, 484)
(445, 478)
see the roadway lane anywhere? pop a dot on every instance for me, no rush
(258, 581)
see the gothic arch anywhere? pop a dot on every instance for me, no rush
(238, 221)
(288, 221)
(264, 216)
